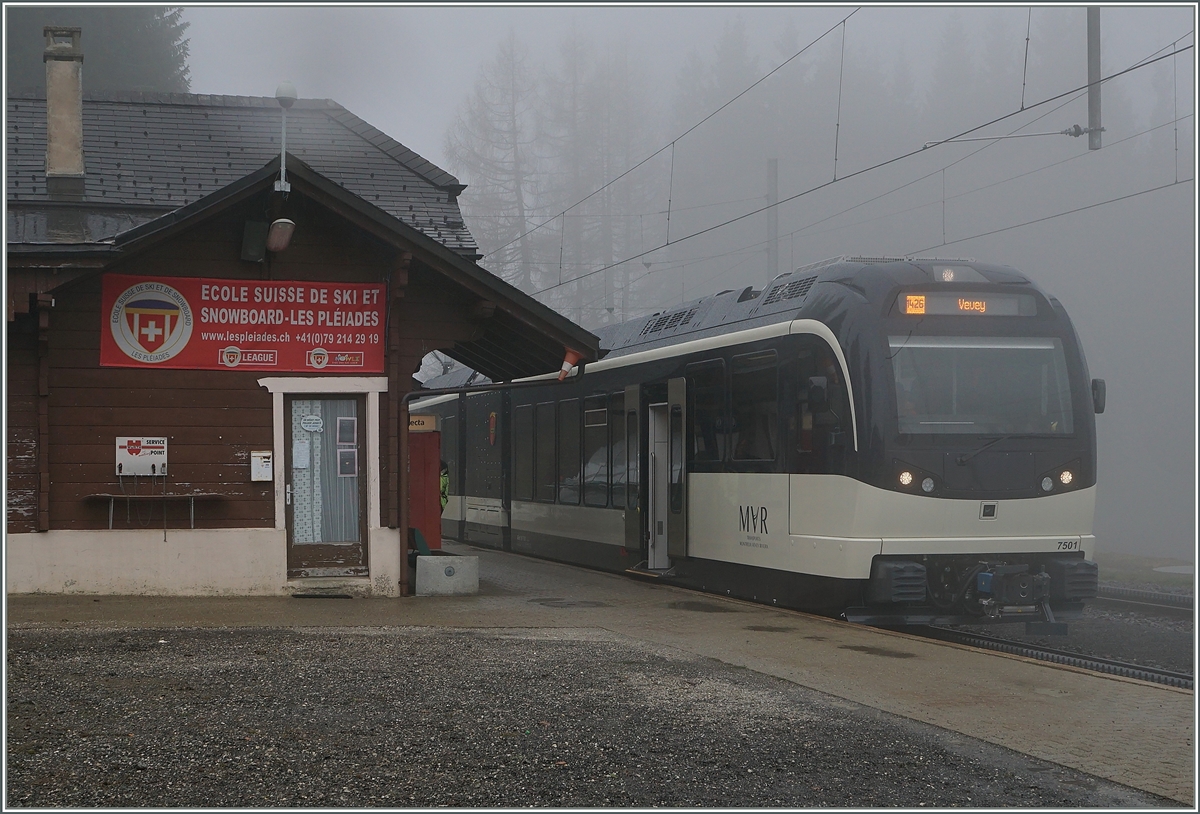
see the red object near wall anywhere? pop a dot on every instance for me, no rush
(425, 487)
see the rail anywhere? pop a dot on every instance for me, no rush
(1100, 665)
(1141, 597)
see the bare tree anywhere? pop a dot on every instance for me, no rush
(490, 147)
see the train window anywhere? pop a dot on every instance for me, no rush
(977, 384)
(616, 432)
(568, 451)
(706, 410)
(522, 452)
(676, 439)
(755, 406)
(817, 425)
(632, 480)
(450, 449)
(544, 478)
(595, 451)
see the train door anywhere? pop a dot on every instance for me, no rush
(634, 457)
(666, 477)
(676, 493)
(485, 504)
(658, 447)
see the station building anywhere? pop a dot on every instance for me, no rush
(210, 338)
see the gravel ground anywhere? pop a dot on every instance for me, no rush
(416, 717)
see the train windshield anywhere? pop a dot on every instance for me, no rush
(972, 385)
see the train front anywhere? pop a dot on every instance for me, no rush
(983, 451)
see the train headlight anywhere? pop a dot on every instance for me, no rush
(1066, 477)
(906, 478)
(1047, 484)
(927, 485)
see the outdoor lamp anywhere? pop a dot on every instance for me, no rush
(280, 234)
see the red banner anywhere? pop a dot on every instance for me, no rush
(197, 323)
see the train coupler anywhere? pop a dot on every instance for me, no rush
(998, 586)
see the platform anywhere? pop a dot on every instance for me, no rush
(1134, 733)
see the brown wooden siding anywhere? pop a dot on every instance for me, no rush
(212, 419)
(21, 390)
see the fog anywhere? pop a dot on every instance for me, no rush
(1110, 233)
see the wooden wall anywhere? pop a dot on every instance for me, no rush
(212, 419)
(21, 387)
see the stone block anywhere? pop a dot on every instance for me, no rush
(441, 576)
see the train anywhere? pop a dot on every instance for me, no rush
(885, 440)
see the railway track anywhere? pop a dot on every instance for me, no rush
(1100, 665)
(1174, 605)
(1132, 599)
(1151, 602)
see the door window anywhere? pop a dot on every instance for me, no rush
(325, 472)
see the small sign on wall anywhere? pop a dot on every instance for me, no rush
(423, 423)
(260, 465)
(141, 455)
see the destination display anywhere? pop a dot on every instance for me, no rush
(944, 303)
(197, 323)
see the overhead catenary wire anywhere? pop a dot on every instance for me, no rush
(972, 191)
(1052, 217)
(671, 145)
(634, 280)
(852, 175)
(997, 231)
(598, 216)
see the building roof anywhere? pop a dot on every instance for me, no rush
(146, 154)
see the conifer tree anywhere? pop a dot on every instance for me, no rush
(126, 48)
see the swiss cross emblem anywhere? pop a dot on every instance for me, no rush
(151, 322)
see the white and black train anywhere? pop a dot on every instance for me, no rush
(894, 441)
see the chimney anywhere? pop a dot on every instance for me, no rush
(64, 111)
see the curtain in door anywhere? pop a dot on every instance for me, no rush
(326, 467)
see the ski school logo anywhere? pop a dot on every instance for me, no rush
(231, 356)
(151, 322)
(318, 357)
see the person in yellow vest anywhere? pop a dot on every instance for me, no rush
(445, 485)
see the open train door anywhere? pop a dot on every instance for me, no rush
(635, 458)
(677, 510)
